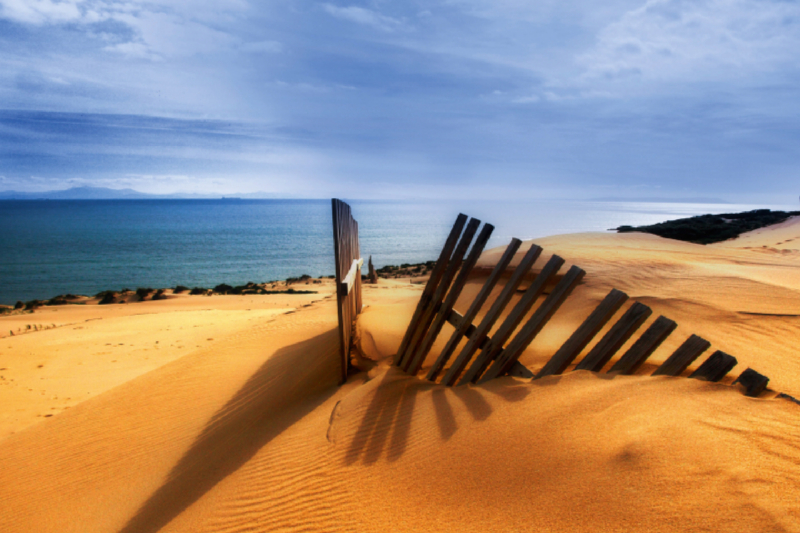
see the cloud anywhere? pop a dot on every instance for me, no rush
(41, 11)
(171, 35)
(363, 16)
(153, 30)
(698, 40)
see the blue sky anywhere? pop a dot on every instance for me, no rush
(452, 98)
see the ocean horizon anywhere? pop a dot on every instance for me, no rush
(52, 247)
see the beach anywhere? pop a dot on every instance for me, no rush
(224, 413)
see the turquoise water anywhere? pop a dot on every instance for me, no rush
(85, 246)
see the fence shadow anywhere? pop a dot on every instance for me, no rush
(386, 425)
(289, 385)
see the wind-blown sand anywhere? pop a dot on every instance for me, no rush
(234, 422)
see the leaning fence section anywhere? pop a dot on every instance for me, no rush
(348, 276)
(491, 351)
(490, 356)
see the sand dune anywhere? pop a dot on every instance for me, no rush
(250, 432)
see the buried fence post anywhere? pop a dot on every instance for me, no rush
(348, 277)
(715, 367)
(506, 359)
(683, 356)
(430, 288)
(452, 296)
(429, 313)
(466, 321)
(645, 346)
(479, 340)
(618, 335)
(753, 382)
(373, 276)
(584, 334)
(507, 328)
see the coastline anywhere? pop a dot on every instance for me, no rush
(233, 401)
(58, 247)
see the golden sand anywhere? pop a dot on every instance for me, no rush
(223, 414)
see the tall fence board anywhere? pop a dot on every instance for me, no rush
(348, 276)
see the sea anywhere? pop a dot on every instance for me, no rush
(52, 247)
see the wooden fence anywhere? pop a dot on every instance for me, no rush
(498, 356)
(348, 276)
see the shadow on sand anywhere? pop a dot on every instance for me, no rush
(386, 425)
(290, 384)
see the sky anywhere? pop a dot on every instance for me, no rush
(473, 99)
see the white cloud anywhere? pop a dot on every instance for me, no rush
(41, 11)
(160, 29)
(134, 50)
(169, 35)
(363, 16)
(702, 40)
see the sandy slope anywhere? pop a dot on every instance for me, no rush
(251, 433)
(89, 349)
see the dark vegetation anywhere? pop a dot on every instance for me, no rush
(304, 277)
(405, 270)
(287, 291)
(107, 297)
(253, 288)
(142, 294)
(706, 229)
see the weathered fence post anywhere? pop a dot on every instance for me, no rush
(348, 276)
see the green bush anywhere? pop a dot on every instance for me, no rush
(107, 297)
(143, 293)
(223, 288)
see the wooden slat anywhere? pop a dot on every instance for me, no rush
(441, 291)
(506, 329)
(644, 347)
(466, 322)
(753, 382)
(683, 357)
(430, 287)
(518, 370)
(480, 338)
(349, 282)
(456, 320)
(505, 360)
(584, 334)
(452, 295)
(715, 367)
(604, 350)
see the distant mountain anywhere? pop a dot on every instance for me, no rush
(651, 199)
(76, 193)
(104, 193)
